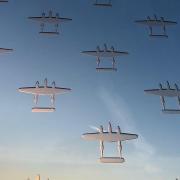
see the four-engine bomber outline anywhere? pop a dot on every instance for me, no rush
(109, 54)
(166, 92)
(109, 136)
(50, 19)
(45, 90)
(162, 23)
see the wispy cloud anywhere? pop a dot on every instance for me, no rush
(122, 115)
(149, 168)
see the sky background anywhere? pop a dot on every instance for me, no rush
(51, 144)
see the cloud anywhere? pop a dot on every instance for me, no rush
(121, 113)
(144, 151)
(151, 169)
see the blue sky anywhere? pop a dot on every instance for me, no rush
(51, 144)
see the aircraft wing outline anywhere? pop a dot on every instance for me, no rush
(5, 50)
(50, 19)
(110, 137)
(163, 92)
(103, 4)
(105, 53)
(41, 90)
(155, 22)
